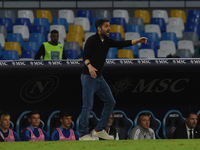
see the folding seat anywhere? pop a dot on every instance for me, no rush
(184, 53)
(93, 121)
(26, 14)
(60, 39)
(122, 123)
(192, 36)
(2, 40)
(10, 55)
(40, 29)
(146, 53)
(132, 36)
(23, 21)
(60, 29)
(116, 36)
(177, 21)
(150, 45)
(44, 14)
(67, 14)
(170, 36)
(75, 37)
(112, 53)
(72, 46)
(155, 124)
(23, 30)
(160, 22)
(152, 36)
(153, 28)
(134, 49)
(186, 44)
(179, 14)
(194, 13)
(162, 53)
(77, 29)
(16, 37)
(119, 21)
(37, 37)
(134, 28)
(169, 46)
(88, 34)
(103, 13)
(83, 21)
(192, 28)
(121, 13)
(117, 28)
(71, 54)
(160, 14)
(176, 29)
(137, 21)
(31, 46)
(171, 120)
(28, 54)
(3, 30)
(13, 46)
(60, 21)
(143, 14)
(53, 122)
(7, 22)
(85, 13)
(42, 21)
(8, 14)
(125, 53)
(22, 122)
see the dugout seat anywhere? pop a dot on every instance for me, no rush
(10, 55)
(155, 124)
(125, 53)
(179, 14)
(93, 121)
(53, 122)
(44, 14)
(67, 14)
(171, 120)
(143, 14)
(13, 46)
(122, 123)
(26, 14)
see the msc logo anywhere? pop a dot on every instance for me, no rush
(37, 89)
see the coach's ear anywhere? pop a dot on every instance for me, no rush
(98, 29)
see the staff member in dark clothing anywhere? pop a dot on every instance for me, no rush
(51, 50)
(95, 51)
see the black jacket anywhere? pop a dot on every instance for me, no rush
(181, 133)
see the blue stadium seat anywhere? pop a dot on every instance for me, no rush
(85, 13)
(31, 46)
(22, 122)
(28, 54)
(1, 52)
(134, 28)
(16, 37)
(160, 22)
(72, 46)
(119, 21)
(150, 45)
(115, 35)
(37, 37)
(193, 28)
(155, 124)
(194, 13)
(82, 53)
(112, 53)
(53, 122)
(42, 21)
(93, 121)
(40, 29)
(170, 36)
(171, 120)
(152, 36)
(10, 55)
(60, 21)
(122, 123)
(198, 114)
(7, 22)
(71, 54)
(193, 21)
(135, 50)
(24, 21)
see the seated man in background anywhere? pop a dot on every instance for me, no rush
(110, 129)
(51, 50)
(64, 132)
(189, 130)
(8, 134)
(142, 130)
(33, 132)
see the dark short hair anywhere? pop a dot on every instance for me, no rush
(33, 112)
(54, 31)
(64, 113)
(100, 22)
(142, 114)
(3, 113)
(189, 113)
